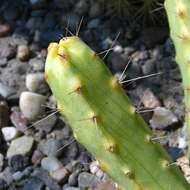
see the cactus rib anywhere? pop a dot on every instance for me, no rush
(178, 12)
(105, 122)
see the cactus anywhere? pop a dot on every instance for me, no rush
(104, 120)
(178, 12)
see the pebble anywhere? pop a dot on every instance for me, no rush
(51, 147)
(82, 7)
(34, 184)
(51, 164)
(94, 23)
(37, 157)
(18, 120)
(73, 178)
(9, 133)
(162, 118)
(18, 162)
(149, 100)
(149, 67)
(47, 125)
(1, 161)
(86, 180)
(37, 64)
(71, 188)
(6, 91)
(5, 30)
(23, 52)
(18, 176)
(3, 184)
(7, 51)
(31, 105)
(35, 81)
(4, 114)
(22, 145)
(60, 175)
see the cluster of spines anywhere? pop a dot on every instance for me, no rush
(104, 120)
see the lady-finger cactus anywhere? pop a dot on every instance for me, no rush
(104, 120)
(178, 12)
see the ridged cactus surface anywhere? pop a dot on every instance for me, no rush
(178, 12)
(104, 120)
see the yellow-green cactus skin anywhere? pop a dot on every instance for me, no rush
(178, 12)
(104, 120)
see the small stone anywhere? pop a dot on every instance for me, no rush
(3, 184)
(51, 164)
(18, 162)
(7, 175)
(6, 91)
(5, 30)
(37, 64)
(19, 121)
(37, 157)
(7, 51)
(9, 133)
(162, 118)
(149, 67)
(60, 175)
(47, 125)
(1, 162)
(86, 180)
(51, 147)
(18, 176)
(23, 52)
(4, 114)
(149, 99)
(34, 184)
(31, 105)
(94, 23)
(35, 81)
(71, 188)
(22, 145)
(82, 7)
(73, 178)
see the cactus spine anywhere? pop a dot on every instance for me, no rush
(104, 120)
(178, 12)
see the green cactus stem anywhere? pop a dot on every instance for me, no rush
(104, 120)
(178, 12)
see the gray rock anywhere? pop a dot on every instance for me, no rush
(149, 67)
(51, 147)
(71, 188)
(6, 91)
(18, 175)
(1, 161)
(51, 164)
(9, 133)
(22, 145)
(162, 118)
(86, 180)
(82, 7)
(4, 114)
(7, 175)
(37, 64)
(31, 105)
(94, 23)
(35, 81)
(72, 181)
(34, 184)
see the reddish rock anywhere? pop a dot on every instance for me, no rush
(5, 30)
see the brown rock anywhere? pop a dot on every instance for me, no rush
(5, 30)
(60, 175)
(23, 52)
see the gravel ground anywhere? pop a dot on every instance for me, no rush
(42, 154)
